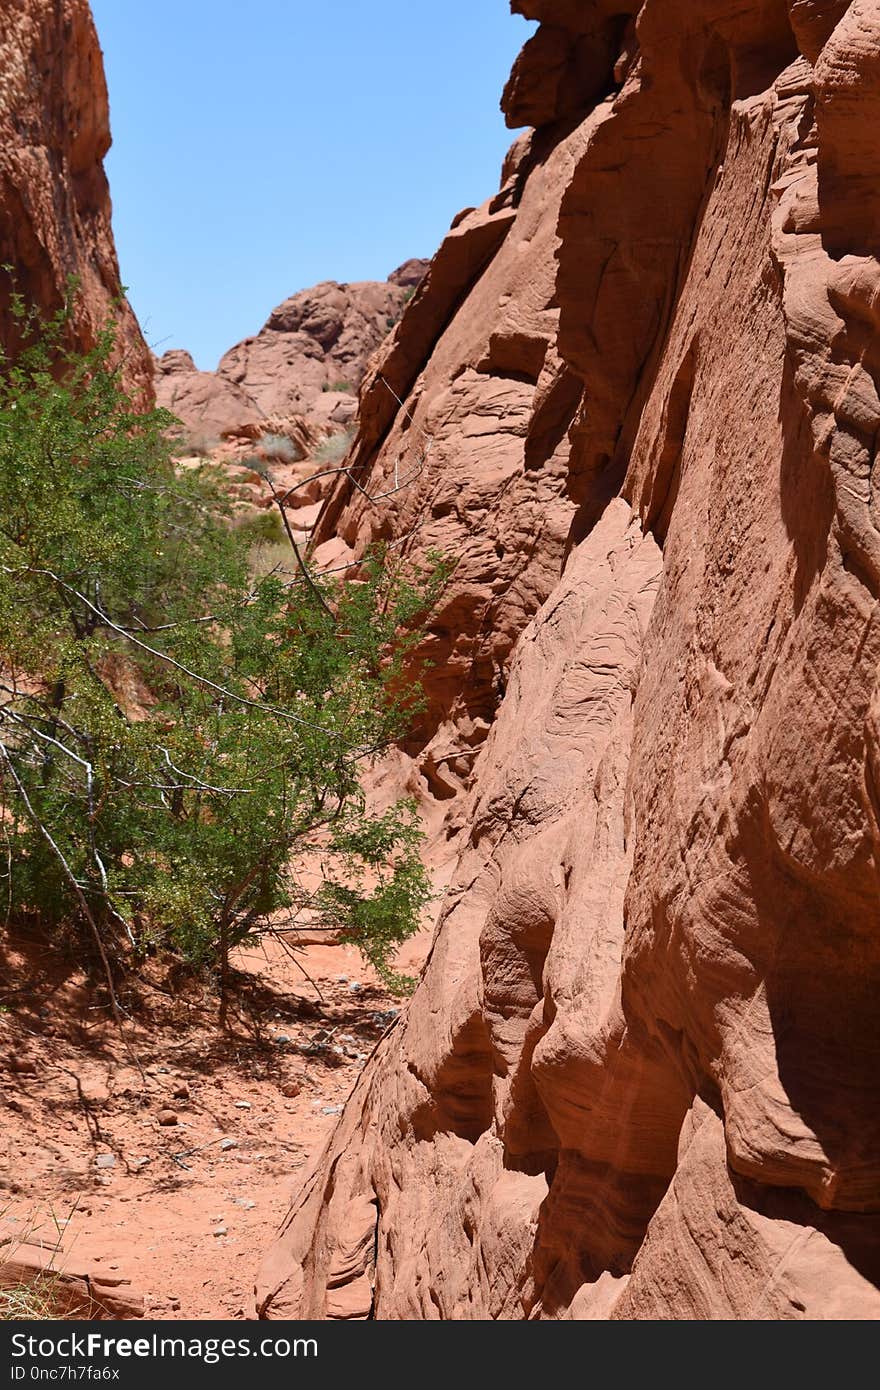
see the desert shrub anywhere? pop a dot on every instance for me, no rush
(345, 386)
(275, 559)
(40, 1297)
(279, 448)
(191, 444)
(334, 448)
(226, 798)
(260, 528)
(40, 1300)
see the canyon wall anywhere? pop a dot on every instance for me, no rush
(640, 1076)
(54, 198)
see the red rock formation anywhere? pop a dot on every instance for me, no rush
(481, 448)
(54, 199)
(205, 403)
(307, 360)
(640, 1075)
(73, 1290)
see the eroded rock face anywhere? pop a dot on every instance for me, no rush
(54, 199)
(205, 403)
(640, 1077)
(307, 360)
(476, 466)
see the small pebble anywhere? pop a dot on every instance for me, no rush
(167, 1117)
(219, 1231)
(106, 1160)
(242, 1105)
(229, 1144)
(281, 1039)
(331, 1110)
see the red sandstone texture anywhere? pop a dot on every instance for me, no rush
(308, 360)
(54, 199)
(639, 1077)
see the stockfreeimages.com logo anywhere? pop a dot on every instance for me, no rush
(96, 1345)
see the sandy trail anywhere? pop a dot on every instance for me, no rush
(182, 1209)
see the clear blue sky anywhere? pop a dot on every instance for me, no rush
(260, 146)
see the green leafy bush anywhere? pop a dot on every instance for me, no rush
(181, 743)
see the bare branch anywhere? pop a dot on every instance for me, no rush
(71, 878)
(304, 569)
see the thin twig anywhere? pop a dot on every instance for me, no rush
(290, 952)
(199, 1148)
(303, 567)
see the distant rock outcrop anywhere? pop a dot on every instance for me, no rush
(54, 199)
(206, 404)
(640, 1076)
(307, 360)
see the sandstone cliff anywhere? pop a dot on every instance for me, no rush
(640, 1075)
(54, 199)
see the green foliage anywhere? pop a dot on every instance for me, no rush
(181, 743)
(261, 528)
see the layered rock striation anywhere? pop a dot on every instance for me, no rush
(640, 1076)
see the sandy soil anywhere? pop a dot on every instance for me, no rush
(182, 1208)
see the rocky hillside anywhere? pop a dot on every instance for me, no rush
(54, 199)
(639, 1077)
(308, 360)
